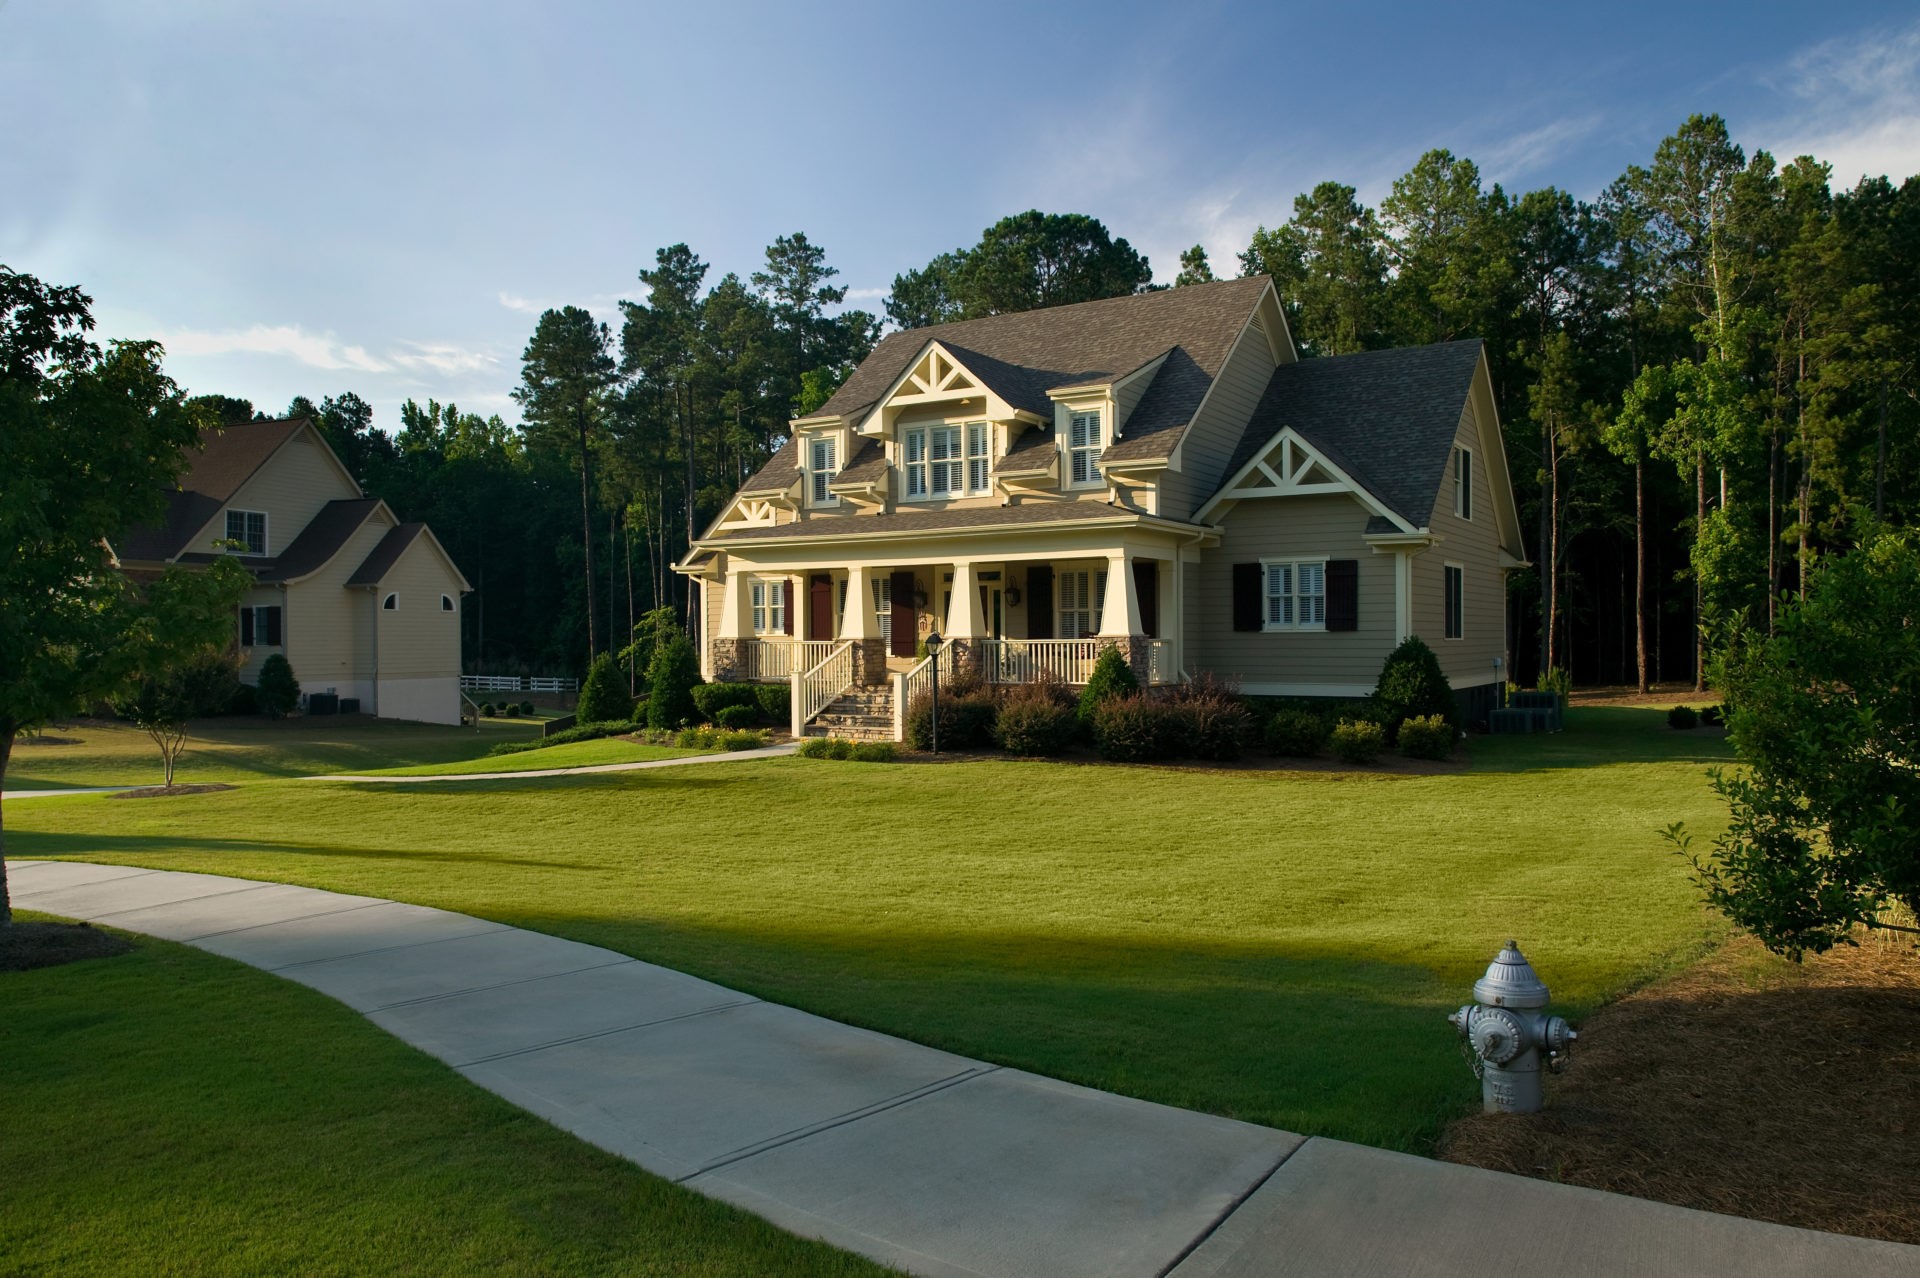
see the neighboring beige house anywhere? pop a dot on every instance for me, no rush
(1157, 473)
(363, 606)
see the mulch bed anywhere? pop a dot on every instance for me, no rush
(167, 791)
(1743, 1085)
(25, 946)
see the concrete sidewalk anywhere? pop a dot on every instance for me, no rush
(764, 752)
(929, 1161)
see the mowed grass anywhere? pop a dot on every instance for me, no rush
(1281, 947)
(98, 753)
(169, 1112)
(574, 754)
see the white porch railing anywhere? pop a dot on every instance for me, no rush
(1160, 662)
(909, 684)
(1034, 660)
(821, 685)
(770, 660)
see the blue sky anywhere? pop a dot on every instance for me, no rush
(380, 197)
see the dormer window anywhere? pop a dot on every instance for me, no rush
(822, 465)
(1084, 441)
(249, 528)
(946, 461)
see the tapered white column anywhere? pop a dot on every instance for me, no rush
(1120, 610)
(735, 619)
(964, 618)
(857, 620)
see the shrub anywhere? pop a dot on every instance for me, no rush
(711, 698)
(1713, 716)
(672, 676)
(966, 719)
(277, 692)
(1426, 737)
(776, 702)
(583, 732)
(243, 700)
(1683, 718)
(736, 716)
(1215, 723)
(640, 713)
(1133, 728)
(1111, 677)
(1559, 682)
(1296, 732)
(839, 748)
(873, 752)
(604, 696)
(696, 738)
(1412, 686)
(742, 739)
(816, 748)
(1358, 740)
(1036, 720)
(486, 709)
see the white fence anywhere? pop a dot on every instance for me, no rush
(516, 683)
(772, 660)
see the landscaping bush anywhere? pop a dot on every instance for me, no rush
(742, 739)
(697, 738)
(604, 696)
(278, 692)
(1713, 716)
(1111, 677)
(1296, 732)
(1213, 721)
(966, 718)
(1684, 718)
(873, 752)
(711, 698)
(1036, 720)
(736, 715)
(486, 709)
(816, 748)
(1426, 737)
(526, 708)
(1134, 729)
(583, 732)
(672, 676)
(243, 700)
(1412, 686)
(640, 713)
(775, 703)
(839, 748)
(1559, 682)
(1358, 740)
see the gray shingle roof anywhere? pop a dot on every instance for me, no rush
(1034, 450)
(1031, 512)
(1387, 418)
(867, 465)
(215, 471)
(385, 555)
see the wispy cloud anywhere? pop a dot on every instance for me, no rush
(867, 294)
(1536, 148)
(441, 357)
(316, 350)
(598, 303)
(1857, 105)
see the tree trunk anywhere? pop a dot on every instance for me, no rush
(1546, 541)
(586, 532)
(1640, 566)
(1773, 521)
(626, 526)
(7, 730)
(1553, 560)
(1699, 530)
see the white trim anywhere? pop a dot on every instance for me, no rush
(1293, 564)
(391, 603)
(1297, 458)
(767, 616)
(266, 532)
(819, 479)
(1068, 449)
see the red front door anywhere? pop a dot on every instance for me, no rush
(820, 606)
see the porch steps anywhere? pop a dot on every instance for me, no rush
(864, 714)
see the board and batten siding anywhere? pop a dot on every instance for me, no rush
(1215, 433)
(291, 488)
(1475, 546)
(330, 630)
(419, 638)
(1298, 663)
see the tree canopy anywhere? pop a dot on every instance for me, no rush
(1021, 263)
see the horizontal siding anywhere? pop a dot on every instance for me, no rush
(418, 639)
(291, 488)
(1279, 528)
(1474, 545)
(1213, 436)
(252, 658)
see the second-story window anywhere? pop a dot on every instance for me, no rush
(943, 447)
(249, 528)
(822, 459)
(946, 461)
(1084, 441)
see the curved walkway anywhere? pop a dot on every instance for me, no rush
(925, 1160)
(764, 752)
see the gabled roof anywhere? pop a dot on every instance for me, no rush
(867, 465)
(1386, 418)
(1024, 355)
(215, 471)
(386, 554)
(781, 472)
(318, 543)
(911, 521)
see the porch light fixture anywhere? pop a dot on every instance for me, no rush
(934, 643)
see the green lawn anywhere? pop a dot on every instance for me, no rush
(169, 1112)
(232, 750)
(1281, 947)
(575, 754)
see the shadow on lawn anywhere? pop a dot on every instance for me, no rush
(26, 845)
(1597, 736)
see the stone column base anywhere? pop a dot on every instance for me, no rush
(729, 659)
(1134, 649)
(870, 661)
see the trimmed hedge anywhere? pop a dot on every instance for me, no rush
(776, 703)
(1358, 740)
(584, 732)
(1036, 720)
(1426, 737)
(1297, 733)
(711, 698)
(966, 719)
(736, 715)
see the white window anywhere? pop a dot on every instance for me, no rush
(1083, 449)
(1456, 599)
(391, 603)
(1079, 596)
(1296, 595)
(249, 528)
(883, 608)
(945, 461)
(822, 461)
(769, 606)
(1463, 482)
(979, 438)
(914, 449)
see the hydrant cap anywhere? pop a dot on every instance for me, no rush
(1510, 981)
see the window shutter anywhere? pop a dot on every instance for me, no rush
(906, 636)
(246, 627)
(1246, 596)
(786, 605)
(1343, 594)
(273, 626)
(1040, 601)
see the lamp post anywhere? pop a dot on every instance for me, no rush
(933, 652)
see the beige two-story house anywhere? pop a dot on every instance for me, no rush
(363, 606)
(1158, 473)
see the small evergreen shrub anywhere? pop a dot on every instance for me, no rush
(1111, 677)
(737, 716)
(1358, 740)
(1036, 720)
(1713, 716)
(243, 700)
(1296, 733)
(711, 698)
(1133, 728)
(1412, 686)
(1426, 737)
(526, 708)
(776, 703)
(640, 713)
(603, 697)
(486, 709)
(816, 748)
(672, 676)
(277, 692)
(873, 752)
(1684, 718)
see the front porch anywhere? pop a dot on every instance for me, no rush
(998, 661)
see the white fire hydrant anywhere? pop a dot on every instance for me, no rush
(1508, 1036)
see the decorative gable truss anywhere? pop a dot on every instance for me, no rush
(749, 512)
(936, 376)
(1290, 467)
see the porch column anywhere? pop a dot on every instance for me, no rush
(1120, 610)
(857, 620)
(734, 623)
(964, 619)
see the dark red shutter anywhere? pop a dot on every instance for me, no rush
(905, 618)
(1146, 588)
(273, 627)
(1343, 594)
(820, 607)
(246, 627)
(786, 605)
(1246, 596)
(1040, 601)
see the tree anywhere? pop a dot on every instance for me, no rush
(1412, 685)
(1194, 268)
(90, 443)
(1022, 263)
(927, 296)
(1327, 263)
(1446, 240)
(671, 674)
(565, 374)
(278, 692)
(165, 698)
(1825, 714)
(602, 698)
